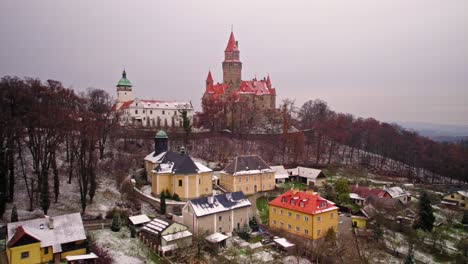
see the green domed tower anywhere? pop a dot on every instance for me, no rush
(160, 142)
(124, 89)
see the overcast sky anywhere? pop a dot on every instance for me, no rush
(395, 60)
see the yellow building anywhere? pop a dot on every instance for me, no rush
(303, 213)
(176, 172)
(248, 174)
(459, 199)
(44, 240)
(359, 220)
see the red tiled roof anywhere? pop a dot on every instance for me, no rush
(268, 82)
(126, 105)
(365, 192)
(311, 203)
(255, 87)
(231, 46)
(216, 88)
(209, 78)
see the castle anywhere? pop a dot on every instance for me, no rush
(148, 113)
(257, 95)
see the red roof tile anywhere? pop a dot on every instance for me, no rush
(232, 46)
(209, 78)
(365, 192)
(303, 202)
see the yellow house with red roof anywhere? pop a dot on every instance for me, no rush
(303, 213)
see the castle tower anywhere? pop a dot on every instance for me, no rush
(209, 79)
(160, 143)
(232, 66)
(124, 89)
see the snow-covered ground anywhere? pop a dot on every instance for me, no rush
(123, 248)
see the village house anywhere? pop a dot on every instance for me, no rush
(249, 174)
(166, 235)
(176, 171)
(308, 176)
(221, 213)
(304, 214)
(458, 198)
(44, 240)
(359, 194)
(148, 113)
(281, 174)
(397, 193)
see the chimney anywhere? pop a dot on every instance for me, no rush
(182, 150)
(210, 200)
(229, 196)
(51, 223)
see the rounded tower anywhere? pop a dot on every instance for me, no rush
(124, 89)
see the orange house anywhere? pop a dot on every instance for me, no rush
(303, 213)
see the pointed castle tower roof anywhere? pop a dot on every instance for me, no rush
(232, 44)
(209, 78)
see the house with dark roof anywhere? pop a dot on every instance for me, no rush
(304, 214)
(359, 194)
(176, 172)
(221, 213)
(249, 174)
(46, 239)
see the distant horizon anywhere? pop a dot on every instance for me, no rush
(392, 61)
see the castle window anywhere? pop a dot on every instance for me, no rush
(180, 182)
(163, 112)
(306, 232)
(274, 222)
(151, 112)
(220, 218)
(175, 112)
(289, 214)
(136, 111)
(246, 178)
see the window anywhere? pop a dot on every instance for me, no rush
(289, 214)
(180, 182)
(246, 178)
(151, 112)
(136, 111)
(25, 254)
(199, 181)
(281, 211)
(306, 219)
(318, 232)
(298, 229)
(46, 249)
(306, 232)
(332, 215)
(319, 218)
(301, 204)
(298, 216)
(283, 199)
(274, 210)
(220, 218)
(452, 196)
(240, 179)
(163, 112)
(175, 112)
(143, 111)
(293, 201)
(281, 224)
(247, 188)
(289, 227)
(274, 222)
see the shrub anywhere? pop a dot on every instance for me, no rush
(116, 223)
(14, 214)
(176, 197)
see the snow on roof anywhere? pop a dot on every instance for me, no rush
(283, 242)
(280, 172)
(216, 237)
(177, 235)
(396, 192)
(248, 164)
(66, 228)
(463, 193)
(82, 257)
(219, 203)
(139, 219)
(157, 104)
(308, 172)
(168, 248)
(202, 168)
(355, 196)
(155, 159)
(156, 226)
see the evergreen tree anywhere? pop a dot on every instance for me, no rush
(342, 189)
(426, 217)
(116, 223)
(14, 215)
(176, 197)
(253, 224)
(163, 203)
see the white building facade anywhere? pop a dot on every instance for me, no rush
(148, 113)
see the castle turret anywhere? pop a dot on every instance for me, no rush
(232, 66)
(124, 89)
(209, 79)
(160, 142)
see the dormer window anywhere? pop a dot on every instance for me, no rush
(283, 199)
(301, 203)
(323, 204)
(293, 202)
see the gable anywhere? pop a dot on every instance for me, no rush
(21, 239)
(174, 228)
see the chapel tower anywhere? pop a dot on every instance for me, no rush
(232, 66)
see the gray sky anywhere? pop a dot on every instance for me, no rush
(395, 60)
